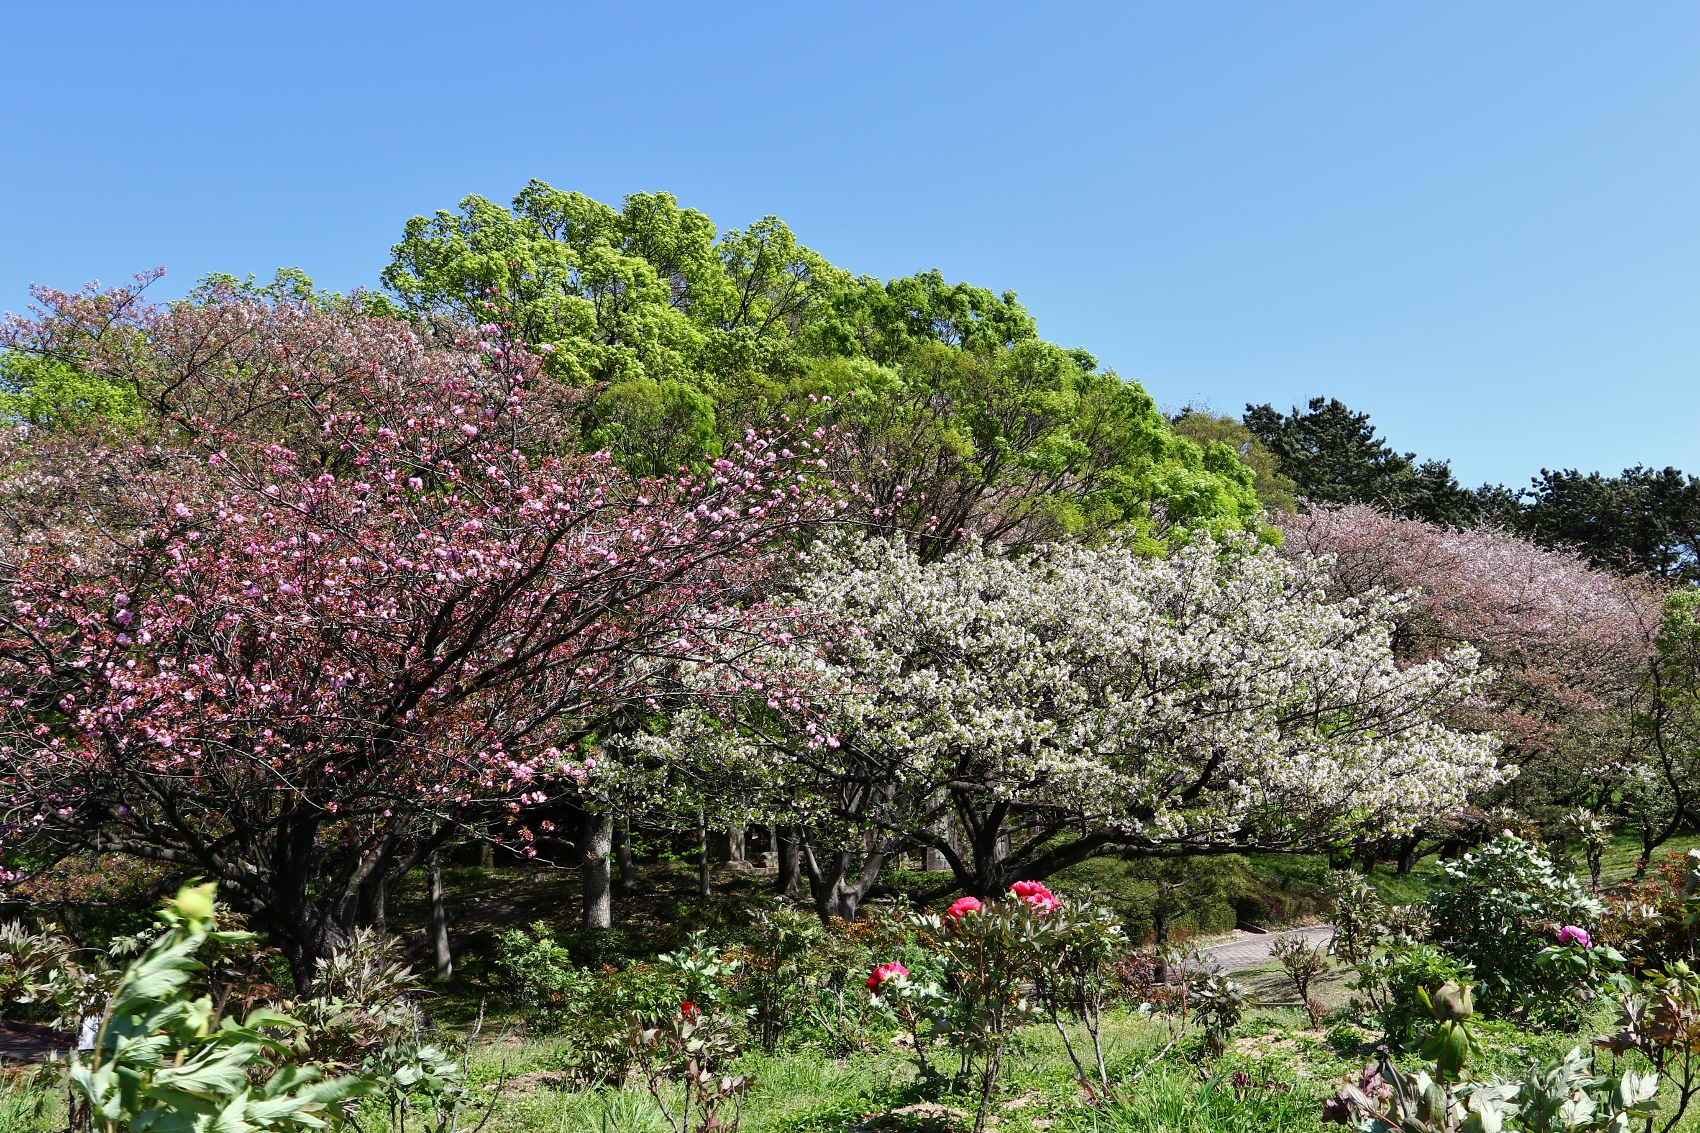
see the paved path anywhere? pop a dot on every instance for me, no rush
(1249, 949)
(22, 1042)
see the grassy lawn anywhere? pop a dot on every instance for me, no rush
(1289, 1068)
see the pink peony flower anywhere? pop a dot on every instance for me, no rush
(962, 906)
(1035, 894)
(885, 972)
(1570, 934)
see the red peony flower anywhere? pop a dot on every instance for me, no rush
(885, 972)
(1570, 934)
(687, 1008)
(1035, 894)
(962, 906)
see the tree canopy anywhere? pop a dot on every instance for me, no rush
(680, 338)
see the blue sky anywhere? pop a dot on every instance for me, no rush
(1479, 222)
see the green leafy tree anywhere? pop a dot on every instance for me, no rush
(680, 338)
(48, 392)
(1276, 491)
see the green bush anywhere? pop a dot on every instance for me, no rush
(1393, 977)
(1497, 909)
(541, 981)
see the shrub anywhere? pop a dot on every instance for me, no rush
(1396, 979)
(27, 963)
(1648, 921)
(364, 1000)
(1220, 1003)
(539, 977)
(1076, 950)
(1303, 963)
(779, 965)
(163, 1060)
(1356, 912)
(1497, 909)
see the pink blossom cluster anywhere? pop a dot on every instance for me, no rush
(962, 906)
(1036, 895)
(885, 972)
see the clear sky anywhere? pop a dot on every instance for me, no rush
(1479, 222)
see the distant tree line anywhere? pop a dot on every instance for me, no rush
(1644, 520)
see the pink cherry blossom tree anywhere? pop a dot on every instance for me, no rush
(346, 600)
(1569, 646)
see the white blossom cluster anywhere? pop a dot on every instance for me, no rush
(1214, 698)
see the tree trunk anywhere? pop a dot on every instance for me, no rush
(440, 922)
(735, 844)
(790, 862)
(628, 867)
(704, 874)
(1408, 855)
(598, 843)
(835, 895)
(486, 855)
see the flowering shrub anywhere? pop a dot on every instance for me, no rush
(1072, 974)
(1497, 909)
(885, 972)
(1035, 894)
(988, 951)
(919, 1007)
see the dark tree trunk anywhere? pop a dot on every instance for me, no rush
(440, 922)
(1408, 854)
(835, 895)
(598, 843)
(790, 862)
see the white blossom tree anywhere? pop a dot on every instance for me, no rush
(1077, 701)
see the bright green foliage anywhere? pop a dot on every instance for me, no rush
(540, 978)
(1500, 907)
(165, 1062)
(1275, 489)
(1397, 978)
(1024, 443)
(46, 392)
(965, 420)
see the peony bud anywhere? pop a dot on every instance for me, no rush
(1453, 1002)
